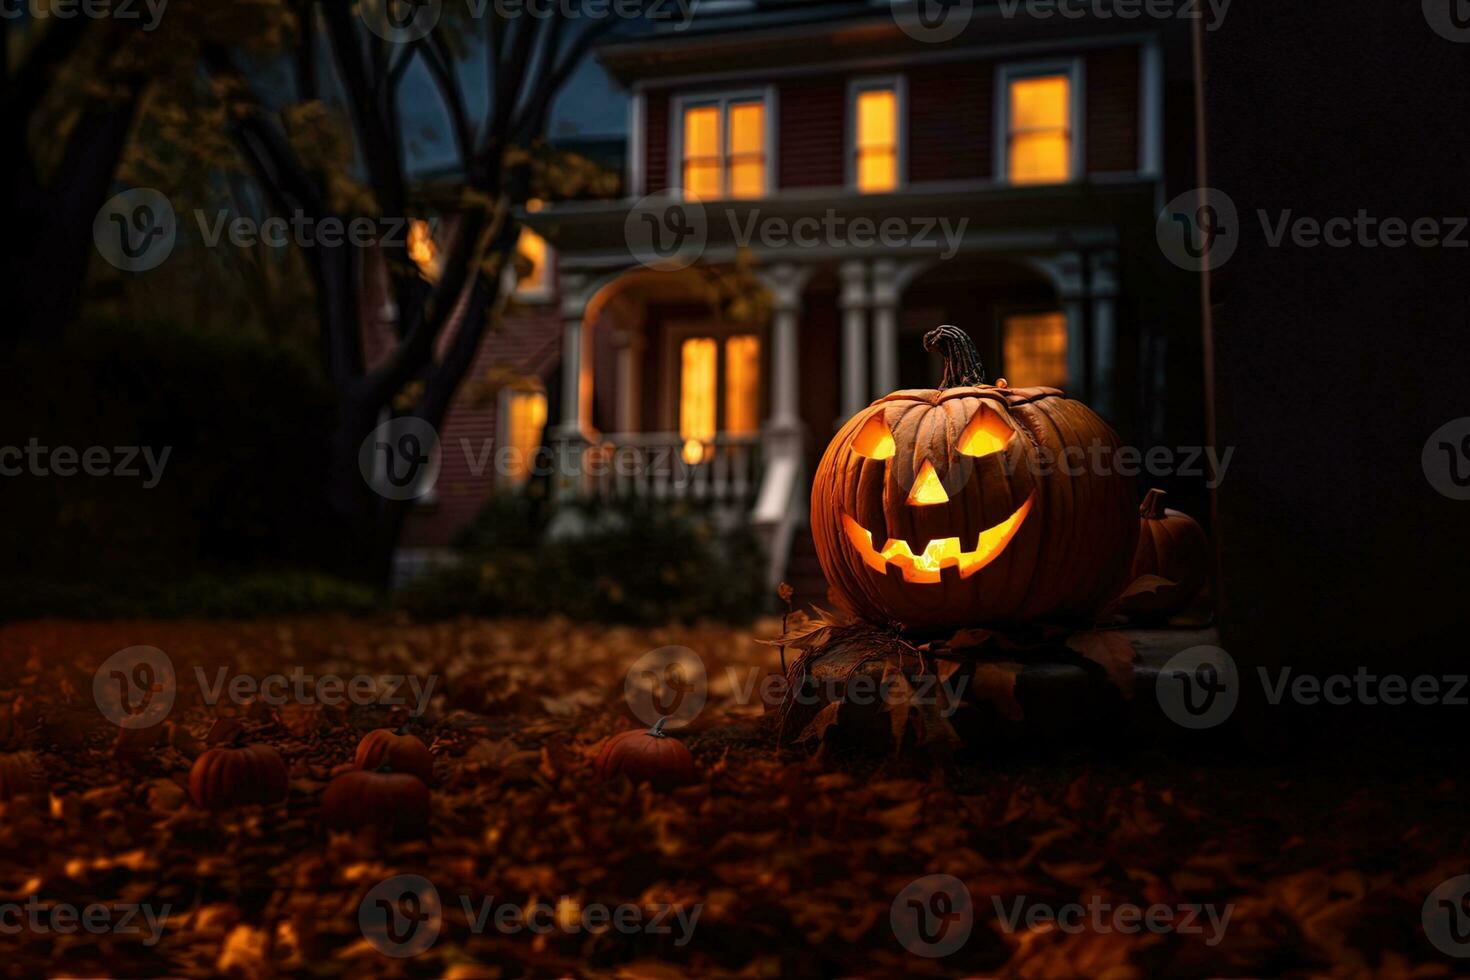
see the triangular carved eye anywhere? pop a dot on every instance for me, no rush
(987, 433)
(874, 440)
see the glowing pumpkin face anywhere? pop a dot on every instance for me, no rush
(972, 504)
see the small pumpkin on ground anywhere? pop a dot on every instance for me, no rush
(395, 804)
(647, 756)
(1173, 547)
(21, 774)
(236, 775)
(401, 751)
(972, 504)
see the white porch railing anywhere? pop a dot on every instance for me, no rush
(662, 466)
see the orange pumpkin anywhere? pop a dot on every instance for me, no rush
(399, 750)
(236, 775)
(20, 775)
(972, 504)
(1172, 546)
(646, 756)
(395, 804)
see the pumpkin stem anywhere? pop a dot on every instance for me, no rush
(962, 367)
(1152, 508)
(657, 731)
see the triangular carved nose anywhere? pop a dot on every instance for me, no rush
(927, 488)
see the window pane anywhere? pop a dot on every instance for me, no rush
(742, 384)
(524, 429)
(702, 180)
(702, 132)
(697, 379)
(747, 177)
(1040, 158)
(532, 248)
(1040, 103)
(877, 171)
(747, 128)
(1035, 350)
(877, 119)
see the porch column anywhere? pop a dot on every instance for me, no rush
(571, 438)
(1103, 281)
(785, 283)
(854, 301)
(885, 327)
(629, 345)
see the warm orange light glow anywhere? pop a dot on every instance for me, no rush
(927, 566)
(422, 250)
(877, 141)
(525, 424)
(987, 433)
(927, 489)
(532, 247)
(1034, 349)
(725, 150)
(874, 441)
(697, 378)
(747, 149)
(742, 384)
(1040, 149)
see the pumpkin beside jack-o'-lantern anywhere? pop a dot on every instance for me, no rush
(973, 504)
(1172, 546)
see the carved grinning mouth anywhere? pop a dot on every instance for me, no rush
(928, 565)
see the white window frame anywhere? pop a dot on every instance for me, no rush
(1007, 72)
(869, 83)
(722, 98)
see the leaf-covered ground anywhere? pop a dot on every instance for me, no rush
(794, 862)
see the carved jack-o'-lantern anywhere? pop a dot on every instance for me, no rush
(973, 503)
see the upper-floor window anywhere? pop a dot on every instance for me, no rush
(1034, 349)
(722, 146)
(877, 138)
(1039, 112)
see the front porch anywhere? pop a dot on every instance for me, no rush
(655, 401)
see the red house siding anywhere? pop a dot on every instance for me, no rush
(656, 142)
(811, 134)
(1112, 110)
(951, 116)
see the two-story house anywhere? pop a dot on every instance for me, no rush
(876, 179)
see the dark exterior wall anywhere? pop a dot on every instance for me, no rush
(656, 142)
(951, 121)
(812, 133)
(1112, 110)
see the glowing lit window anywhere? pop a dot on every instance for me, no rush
(724, 149)
(523, 427)
(422, 250)
(532, 251)
(1039, 131)
(1034, 350)
(703, 362)
(875, 118)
